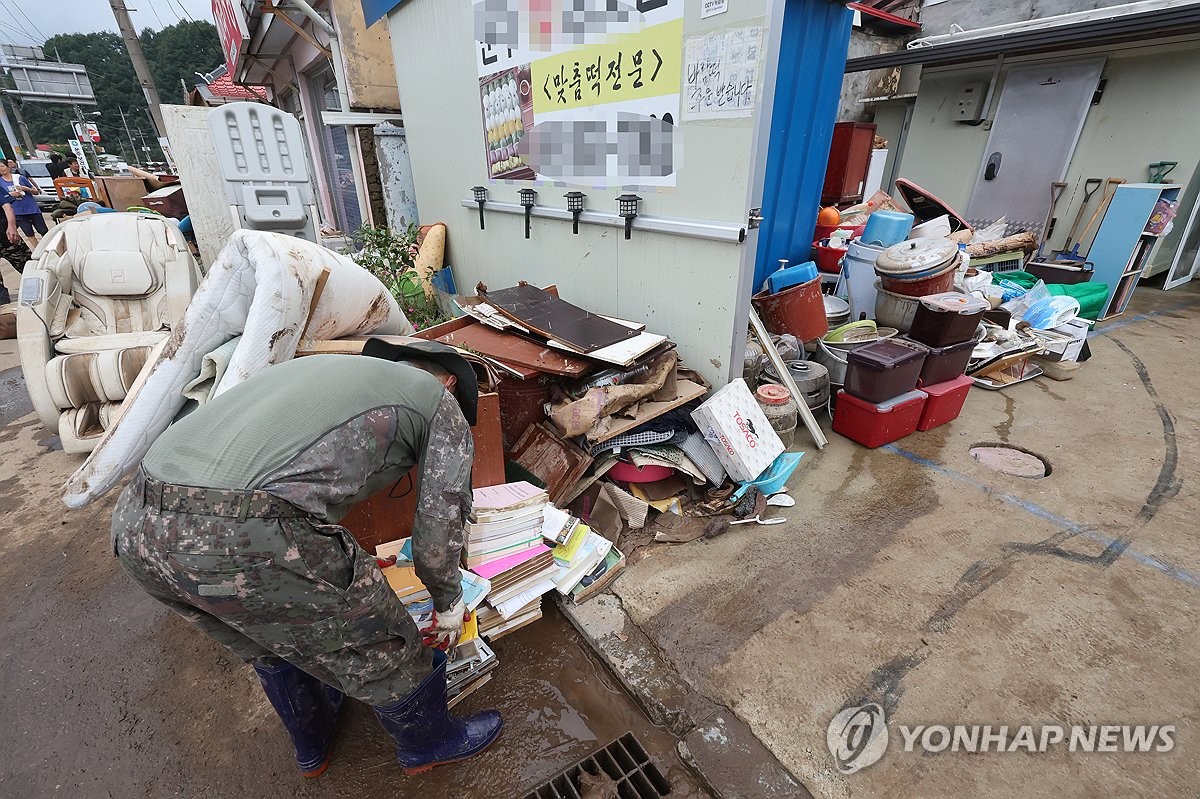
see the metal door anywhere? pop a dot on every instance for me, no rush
(1034, 132)
(396, 175)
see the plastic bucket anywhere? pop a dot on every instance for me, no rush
(825, 231)
(799, 310)
(895, 310)
(887, 228)
(858, 270)
(829, 259)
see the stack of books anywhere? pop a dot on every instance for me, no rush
(506, 521)
(580, 556)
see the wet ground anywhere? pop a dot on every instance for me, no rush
(105, 693)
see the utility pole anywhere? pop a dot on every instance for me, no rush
(23, 128)
(134, 46)
(132, 148)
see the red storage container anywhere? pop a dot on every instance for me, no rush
(948, 318)
(943, 363)
(874, 425)
(945, 402)
(884, 369)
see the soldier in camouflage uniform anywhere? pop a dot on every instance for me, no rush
(12, 247)
(231, 521)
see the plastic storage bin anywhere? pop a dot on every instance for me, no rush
(882, 370)
(874, 425)
(948, 318)
(944, 403)
(944, 363)
(790, 276)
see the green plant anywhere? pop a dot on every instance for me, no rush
(391, 256)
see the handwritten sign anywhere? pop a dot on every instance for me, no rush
(721, 74)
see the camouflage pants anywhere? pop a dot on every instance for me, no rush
(266, 587)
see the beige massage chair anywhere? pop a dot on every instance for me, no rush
(100, 292)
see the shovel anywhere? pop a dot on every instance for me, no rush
(1094, 184)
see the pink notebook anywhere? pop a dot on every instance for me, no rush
(493, 567)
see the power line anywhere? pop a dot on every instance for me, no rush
(18, 32)
(156, 16)
(25, 32)
(32, 24)
(184, 10)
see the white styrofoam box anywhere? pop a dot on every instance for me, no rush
(735, 427)
(1077, 329)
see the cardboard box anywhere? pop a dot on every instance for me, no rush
(735, 427)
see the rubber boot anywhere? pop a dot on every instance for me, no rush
(425, 733)
(309, 711)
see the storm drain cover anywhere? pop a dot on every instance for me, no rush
(623, 763)
(1011, 460)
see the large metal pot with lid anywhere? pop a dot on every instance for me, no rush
(916, 259)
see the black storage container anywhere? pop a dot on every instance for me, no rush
(948, 318)
(885, 369)
(943, 363)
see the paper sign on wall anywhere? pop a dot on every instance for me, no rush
(584, 97)
(711, 8)
(721, 73)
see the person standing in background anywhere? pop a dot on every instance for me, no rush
(28, 216)
(57, 166)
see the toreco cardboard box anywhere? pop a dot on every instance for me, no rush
(735, 427)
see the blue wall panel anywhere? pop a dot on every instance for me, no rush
(816, 35)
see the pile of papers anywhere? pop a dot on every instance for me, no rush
(518, 547)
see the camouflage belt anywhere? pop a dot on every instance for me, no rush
(227, 503)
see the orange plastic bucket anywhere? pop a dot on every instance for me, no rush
(799, 310)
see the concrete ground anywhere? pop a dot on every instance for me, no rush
(909, 576)
(913, 577)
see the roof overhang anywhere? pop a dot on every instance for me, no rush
(1099, 28)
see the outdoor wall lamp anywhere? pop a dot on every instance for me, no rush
(528, 198)
(480, 193)
(627, 205)
(575, 206)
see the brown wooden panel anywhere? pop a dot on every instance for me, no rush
(388, 514)
(557, 463)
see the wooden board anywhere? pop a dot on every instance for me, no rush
(121, 192)
(488, 469)
(557, 463)
(558, 319)
(513, 349)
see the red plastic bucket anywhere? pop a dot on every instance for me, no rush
(825, 231)
(828, 259)
(799, 310)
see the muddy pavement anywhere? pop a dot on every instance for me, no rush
(104, 692)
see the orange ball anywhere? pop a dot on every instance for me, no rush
(829, 216)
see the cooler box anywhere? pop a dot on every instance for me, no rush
(944, 363)
(738, 431)
(874, 425)
(947, 318)
(945, 402)
(882, 370)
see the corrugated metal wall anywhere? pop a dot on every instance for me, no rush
(816, 34)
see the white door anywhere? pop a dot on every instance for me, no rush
(1041, 114)
(1187, 257)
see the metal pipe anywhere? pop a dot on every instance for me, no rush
(335, 50)
(690, 228)
(1110, 12)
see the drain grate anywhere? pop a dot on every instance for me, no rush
(624, 761)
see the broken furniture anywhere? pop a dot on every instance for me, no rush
(849, 161)
(99, 294)
(1125, 242)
